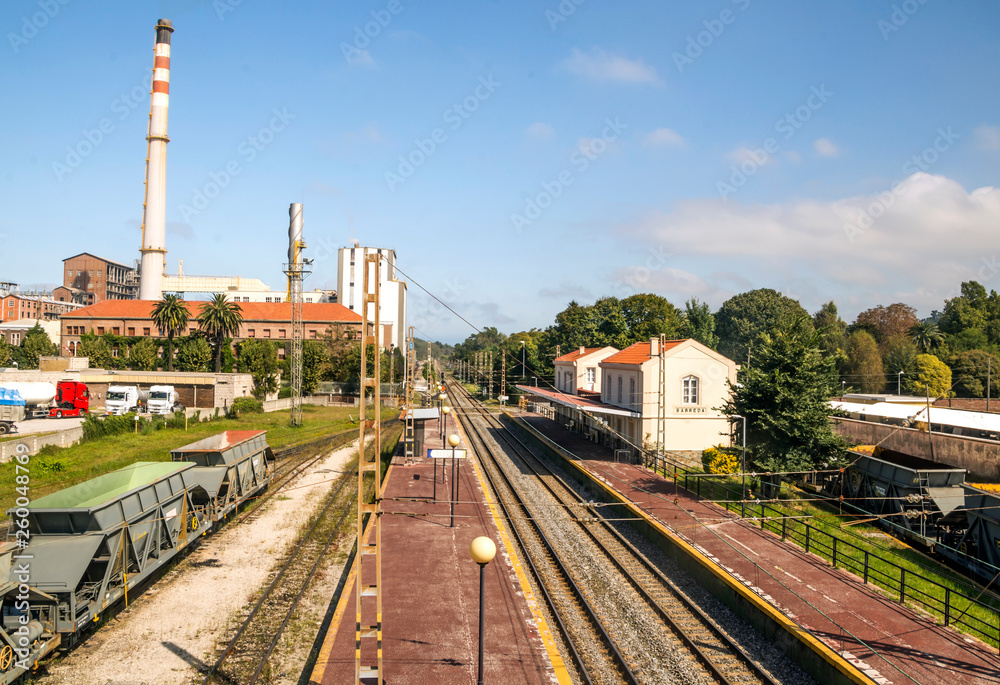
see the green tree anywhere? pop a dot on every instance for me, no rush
(926, 335)
(699, 323)
(313, 358)
(259, 358)
(968, 310)
(863, 366)
(4, 352)
(96, 349)
(970, 371)
(832, 329)
(220, 319)
(744, 318)
(784, 397)
(142, 356)
(194, 354)
(930, 375)
(648, 315)
(612, 329)
(575, 326)
(900, 355)
(171, 316)
(35, 344)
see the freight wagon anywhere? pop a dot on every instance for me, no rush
(75, 553)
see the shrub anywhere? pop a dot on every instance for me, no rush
(246, 405)
(720, 459)
(95, 427)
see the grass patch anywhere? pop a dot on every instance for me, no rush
(55, 468)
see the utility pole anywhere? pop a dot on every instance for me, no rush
(503, 375)
(296, 268)
(489, 394)
(661, 404)
(369, 474)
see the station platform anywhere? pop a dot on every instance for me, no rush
(430, 587)
(888, 642)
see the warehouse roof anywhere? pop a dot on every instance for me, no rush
(252, 311)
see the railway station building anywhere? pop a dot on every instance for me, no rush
(624, 415)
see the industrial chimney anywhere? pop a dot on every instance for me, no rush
(154, 215)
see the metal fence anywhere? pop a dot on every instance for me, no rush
(954, 606)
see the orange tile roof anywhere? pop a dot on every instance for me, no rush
(252, 311)
(576, 354)
(637, 353)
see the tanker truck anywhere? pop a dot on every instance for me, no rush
(122, 399)
(64, 399)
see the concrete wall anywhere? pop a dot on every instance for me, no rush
(35, 443)
(980, 457)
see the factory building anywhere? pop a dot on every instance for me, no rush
(267, 320)
(350, 290)
(89, 279)
(237, 288)
(15, 305)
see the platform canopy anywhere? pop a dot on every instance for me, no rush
(584, 404)
(423, 414)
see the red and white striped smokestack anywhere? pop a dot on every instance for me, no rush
(154, 215)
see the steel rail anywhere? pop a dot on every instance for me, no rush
(565, 577)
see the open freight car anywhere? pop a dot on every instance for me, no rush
(87, 546)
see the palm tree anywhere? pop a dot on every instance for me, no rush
(170, 315)
(220, 319)
(926, 335)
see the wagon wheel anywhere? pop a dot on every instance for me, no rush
(6, 656)
(855, 478)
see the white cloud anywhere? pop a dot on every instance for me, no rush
(929, 236)
(826, 148)
(988, 137)
(600, 66)
(756, 157)
(361, 58)
(664, 137)
(539, 131)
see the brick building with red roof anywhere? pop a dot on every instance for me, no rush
(267, 320)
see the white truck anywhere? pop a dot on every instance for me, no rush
(163, 400)
(121, 399)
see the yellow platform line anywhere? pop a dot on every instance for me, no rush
(804, 636)
(551, 650)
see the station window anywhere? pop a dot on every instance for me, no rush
(100, 330)
(689, 390)
(281, 332)
(252, 333)
(619, 390)
(267, 332)
(145, 331)
(131, 331)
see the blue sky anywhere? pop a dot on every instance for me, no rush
(517, 155)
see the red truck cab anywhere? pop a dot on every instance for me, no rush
(72, 399)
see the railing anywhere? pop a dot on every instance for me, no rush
(901, 584)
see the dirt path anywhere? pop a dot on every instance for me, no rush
(173, 629)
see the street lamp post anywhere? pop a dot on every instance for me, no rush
(522, 360)
(899, 382)
(444, 421)
(482, 550)
(453, 440)
(743, 466)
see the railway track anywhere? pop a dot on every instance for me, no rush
(247, 658)
(688, 628)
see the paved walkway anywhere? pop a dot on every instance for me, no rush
(431, 588)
